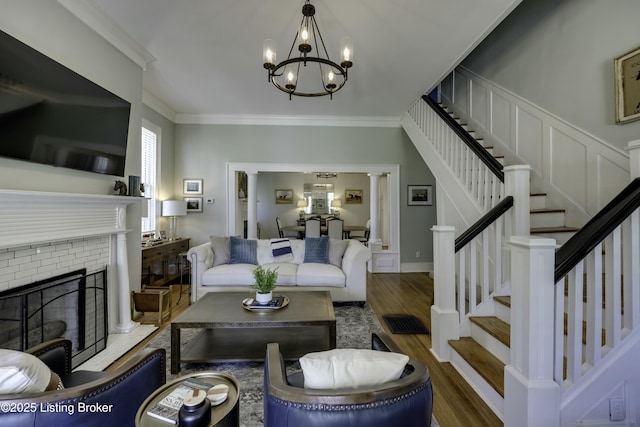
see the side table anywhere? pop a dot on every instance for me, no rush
(185, 267)
(227, 414)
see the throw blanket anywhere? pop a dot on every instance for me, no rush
(281, 250)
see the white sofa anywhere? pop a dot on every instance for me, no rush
(346, 282)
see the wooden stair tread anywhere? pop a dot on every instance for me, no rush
(541, 230)
(495, 327)
(489, 367)
(504, 300)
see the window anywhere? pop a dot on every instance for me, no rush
(149, 173)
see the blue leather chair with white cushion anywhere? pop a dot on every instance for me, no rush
(406, 402)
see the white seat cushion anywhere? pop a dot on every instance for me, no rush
(286, 272)
(351, 368)
(229, 274)
(315, 274)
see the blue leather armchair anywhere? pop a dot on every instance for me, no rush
(89, 398)
(406, 402)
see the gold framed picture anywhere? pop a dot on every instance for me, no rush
(353, 197)
(284, 197)
(627, 77)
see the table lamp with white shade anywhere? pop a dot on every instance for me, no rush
(173, 209)
(336, 204)
(302, 204)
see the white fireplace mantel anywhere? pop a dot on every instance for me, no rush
(32, 217)
(35, 217)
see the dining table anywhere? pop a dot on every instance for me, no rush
(347, 229)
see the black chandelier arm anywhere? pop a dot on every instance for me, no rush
(310, 94)
(340, 71)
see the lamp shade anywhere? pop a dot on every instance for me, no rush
(174, 208)
(336, 203)
(302, 203)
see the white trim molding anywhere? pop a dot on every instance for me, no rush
(267, 120)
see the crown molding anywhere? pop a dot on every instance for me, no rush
(87, 12)
(267, 120)
(153, 102)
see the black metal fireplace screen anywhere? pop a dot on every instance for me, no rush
(72, 305)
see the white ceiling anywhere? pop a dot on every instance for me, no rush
(208, 53)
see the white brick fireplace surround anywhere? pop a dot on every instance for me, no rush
(44, 234)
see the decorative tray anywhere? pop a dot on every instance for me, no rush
(247, 305)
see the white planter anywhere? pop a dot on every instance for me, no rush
(264, 299)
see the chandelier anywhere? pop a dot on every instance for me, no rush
(286, 74)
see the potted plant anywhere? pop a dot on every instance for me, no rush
(264, 282)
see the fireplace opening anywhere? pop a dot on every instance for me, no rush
(72, 306)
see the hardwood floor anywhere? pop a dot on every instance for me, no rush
(455, 403)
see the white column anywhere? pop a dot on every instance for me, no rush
(445, 324)
(634, 158)
(374, 180)
(252, 205)
(516, 184)
(532, 397)
(125, 324)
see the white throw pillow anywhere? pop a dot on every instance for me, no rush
(351, 368)
(22, 373)
(337, 249)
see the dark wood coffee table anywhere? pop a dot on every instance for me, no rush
(232, 334)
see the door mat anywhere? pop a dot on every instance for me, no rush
(404, 324)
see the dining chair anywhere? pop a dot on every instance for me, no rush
(279, 224)
(364, 238)
(335, 228)
(312, 228)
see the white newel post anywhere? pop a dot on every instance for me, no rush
(634, 158)
(532, 397)
(252, 205)
(516, 184)
(445, 323)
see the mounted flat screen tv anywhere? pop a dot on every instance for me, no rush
(52, 115)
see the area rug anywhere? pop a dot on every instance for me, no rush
(354, 326)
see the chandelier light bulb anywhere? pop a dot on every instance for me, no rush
(304, 34)
(290, 76)
(345, 54)
(331, 76)
(269, 55)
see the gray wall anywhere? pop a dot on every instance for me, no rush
(202, 151)
(559, 55)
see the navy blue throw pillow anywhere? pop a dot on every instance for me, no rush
(316, 249)
(243, 251)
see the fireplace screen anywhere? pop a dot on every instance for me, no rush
(71, 306)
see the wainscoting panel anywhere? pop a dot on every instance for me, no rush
(528, 136)
(568, 158)
(584, 170)
(501, 119)
(479, 103)
(461, 93)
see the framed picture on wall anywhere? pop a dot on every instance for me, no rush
(627, 77)
(284, 197)
(353, 197)
(194, 204)
(419, 195)
(192, 186)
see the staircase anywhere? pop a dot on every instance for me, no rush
(472, 316)
(548, 222)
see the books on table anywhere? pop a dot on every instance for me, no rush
(167, 409)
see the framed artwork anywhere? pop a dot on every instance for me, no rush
(627, 77)
(194, 204)
(284, 197)
(192, 186)
(419, 195)
(352, 197)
